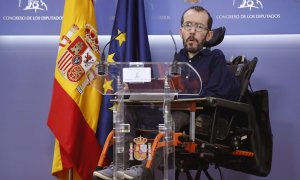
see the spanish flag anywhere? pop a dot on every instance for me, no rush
(75, 105)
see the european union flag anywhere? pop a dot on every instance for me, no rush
(130, 46)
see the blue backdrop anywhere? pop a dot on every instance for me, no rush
(28, 49)
(18, 17)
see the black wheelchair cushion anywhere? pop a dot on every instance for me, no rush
(261, 140)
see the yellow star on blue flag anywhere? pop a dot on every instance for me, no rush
(121, 38)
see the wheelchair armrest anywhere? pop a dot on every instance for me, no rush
(219, 102)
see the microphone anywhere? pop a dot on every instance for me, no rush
(102, 67)
(175, 70)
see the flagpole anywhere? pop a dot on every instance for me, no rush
(70, 174)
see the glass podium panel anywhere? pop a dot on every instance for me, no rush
(142, 121)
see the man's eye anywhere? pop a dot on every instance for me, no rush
(200, 26)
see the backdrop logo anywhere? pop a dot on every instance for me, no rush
(250, 4)
(34, 5)
(249, 15)
(192, 1)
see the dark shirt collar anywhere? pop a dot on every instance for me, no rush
(203, 52)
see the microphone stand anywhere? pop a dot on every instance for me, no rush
(175, 70)
(102, 67)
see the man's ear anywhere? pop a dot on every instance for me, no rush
(180, 32)
(209, 35)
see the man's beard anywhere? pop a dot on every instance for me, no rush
(192, 49)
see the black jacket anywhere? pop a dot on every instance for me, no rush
(217, 80)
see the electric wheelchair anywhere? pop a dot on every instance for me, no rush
(235, 135)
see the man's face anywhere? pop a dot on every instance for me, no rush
(193, 36)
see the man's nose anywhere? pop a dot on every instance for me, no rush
(193, 30)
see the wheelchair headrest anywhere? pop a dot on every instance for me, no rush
(218, 36)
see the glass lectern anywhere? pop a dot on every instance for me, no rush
(151, 85)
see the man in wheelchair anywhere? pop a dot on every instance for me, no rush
(219, 83)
